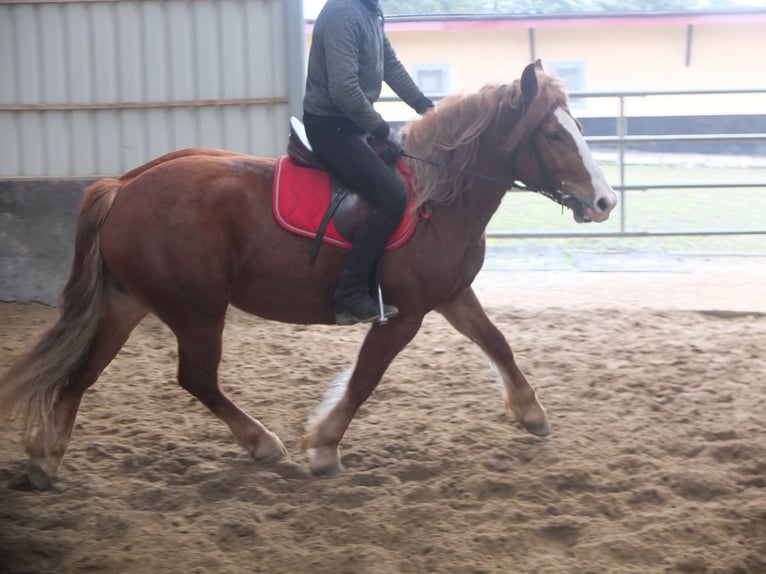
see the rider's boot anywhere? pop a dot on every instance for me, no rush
(353, 301)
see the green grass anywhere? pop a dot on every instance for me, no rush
(653, 210)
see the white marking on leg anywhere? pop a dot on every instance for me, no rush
(331, 397)
(499, 379)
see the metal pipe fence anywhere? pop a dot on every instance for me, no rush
(622, 141)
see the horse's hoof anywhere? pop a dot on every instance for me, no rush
(270, 453)
(273, 456)
(328, 471)
(538, 428)
(38, 478)
(325, 461)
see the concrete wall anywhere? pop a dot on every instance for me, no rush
(37, 221)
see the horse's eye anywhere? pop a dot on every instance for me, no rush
(554, 137)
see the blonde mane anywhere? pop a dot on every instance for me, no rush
(451, 136)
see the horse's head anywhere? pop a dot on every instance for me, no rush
(554, 159)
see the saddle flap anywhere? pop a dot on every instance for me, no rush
(302, 197)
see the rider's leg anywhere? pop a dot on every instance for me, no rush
(353, 300)
(344, 148)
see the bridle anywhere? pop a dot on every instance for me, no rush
(513, 185)
(550, 191)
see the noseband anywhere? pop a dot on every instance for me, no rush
(550, 190)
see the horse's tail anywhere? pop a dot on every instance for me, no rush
(32, 383)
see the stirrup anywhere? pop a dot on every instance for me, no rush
(380, 317)
(380, 314)
(384, 311)
(347, 318)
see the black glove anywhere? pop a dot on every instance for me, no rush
(424, 106)
(394, 143)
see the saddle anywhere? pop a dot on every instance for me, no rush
(310, 201)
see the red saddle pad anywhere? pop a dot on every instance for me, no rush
(301, 196)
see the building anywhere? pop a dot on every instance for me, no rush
(603, 53)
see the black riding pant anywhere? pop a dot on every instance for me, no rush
(343, 147)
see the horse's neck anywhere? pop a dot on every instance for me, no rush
(471, 213)
(485, 179)
(483, 195)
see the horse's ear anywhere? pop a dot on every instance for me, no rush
(529, 82)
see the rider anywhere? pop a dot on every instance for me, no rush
(350, 58)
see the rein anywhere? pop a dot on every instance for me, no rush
(512, 185)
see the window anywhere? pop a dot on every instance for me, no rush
(573, 76)
(432, 79)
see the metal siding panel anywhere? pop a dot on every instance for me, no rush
(232, 34)
(108, 139)
(31, 134)
(206, 52)
(83, 143)
(54, 72)
(56, 144)
(278, 50)
(294, 44)
(181, 51)
(258, 44)
(129, 44)
(148, 50)
(234, 128)
(104, 56)
(28, 53)
(157, 132)
(183, 123)
(210, 128)
(133, 126)
(155, 51)
(281, 128)
(78, 47)
(10, 160)
(8, 57)
(265, 122)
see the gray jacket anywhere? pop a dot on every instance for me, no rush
(350, 58)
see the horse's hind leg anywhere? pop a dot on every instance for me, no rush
(199, 354)
(466, 314)
(46, 446)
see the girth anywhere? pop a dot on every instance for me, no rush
(338, 194)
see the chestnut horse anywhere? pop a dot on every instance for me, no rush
(192, 232)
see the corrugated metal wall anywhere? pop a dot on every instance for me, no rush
(99, 87)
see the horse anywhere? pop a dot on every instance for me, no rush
(191, 233)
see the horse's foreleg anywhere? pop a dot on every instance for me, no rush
(382, 344)
(199, 354)
(466, 314)
(46, 443)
